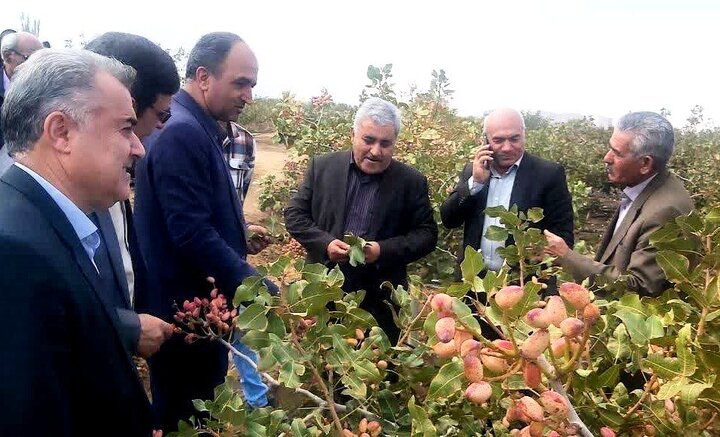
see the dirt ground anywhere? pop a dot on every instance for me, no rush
(269, 159)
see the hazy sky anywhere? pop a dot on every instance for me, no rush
(603, 57)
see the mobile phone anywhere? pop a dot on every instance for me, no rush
(485, 142)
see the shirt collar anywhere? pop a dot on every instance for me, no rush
(633, 192)
(80, 222)
(185, 99)
(512, 168)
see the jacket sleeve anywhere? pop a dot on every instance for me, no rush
(644, 275)
(557, 208)
(422, 235)
(300, 222)
(180, 174)
(460, 203)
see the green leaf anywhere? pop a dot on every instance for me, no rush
(654, 327)
(691, 223)
(353, 386)
(335, 277)
(713, 215)
(635, 325)
(199, 405)
(674, 265)
(712, 292)
(256, 339)
(422, 426)
(609, 378)
(465, 316)
(293, 293)
(357, 255)
(535, 215)
(278, 267)
(448, 381)
(252, 318)
(671, 388)
(247, 291)
(359, 318)
(290, 373)
(496, 233)
(691, 392)
(458, 289)
(471, 265)
(669, 368)
(314, 298)
(314, 272)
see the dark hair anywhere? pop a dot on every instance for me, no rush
(210, 52)
(156, 70)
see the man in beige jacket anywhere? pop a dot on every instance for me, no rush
(640, 148)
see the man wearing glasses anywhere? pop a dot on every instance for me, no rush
(16, 48)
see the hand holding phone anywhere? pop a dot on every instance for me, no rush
(481, 162)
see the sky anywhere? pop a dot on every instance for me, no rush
(602, 58)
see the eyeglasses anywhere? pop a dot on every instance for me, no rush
(24, 57)
(163, 115)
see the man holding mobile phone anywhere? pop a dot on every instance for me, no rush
(503, 174)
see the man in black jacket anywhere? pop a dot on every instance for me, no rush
(369, 194)
(503, 174)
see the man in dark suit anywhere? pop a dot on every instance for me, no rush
(190, 219)
(640, 149)
(15, 48)
(65, 370)
(503, 174)
(156, 80)
(369, 194)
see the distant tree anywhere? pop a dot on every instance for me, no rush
(27, 26)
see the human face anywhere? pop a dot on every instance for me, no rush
(506, 137)
(623, 167)
(153, 117)
(103, 149)
(227, 93)
(12, 59)
(373, 146)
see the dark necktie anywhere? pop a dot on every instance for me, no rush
(110, 286)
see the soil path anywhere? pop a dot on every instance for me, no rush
(270, 159)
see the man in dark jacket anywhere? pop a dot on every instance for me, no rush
(366, 192)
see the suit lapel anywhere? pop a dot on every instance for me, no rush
(386, 194)
(339, 181)
(521, 185)
(631, 216)
(24, 183)
(107, 230)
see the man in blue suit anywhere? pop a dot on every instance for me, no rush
(65, 371)
(189, 219)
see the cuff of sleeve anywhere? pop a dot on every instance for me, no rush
(473, 186)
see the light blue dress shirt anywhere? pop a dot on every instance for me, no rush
(499, 192)
(85, 229)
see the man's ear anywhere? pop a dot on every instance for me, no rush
(647, 164)
(202, 77)
(57, 129)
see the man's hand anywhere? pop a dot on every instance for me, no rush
(153, 333)
(259, 239)
(481, 164)
(372, 252)
(338, 250)
(556, 246)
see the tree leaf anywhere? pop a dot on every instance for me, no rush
(471, 265)
(247, 290)
(448, 381)
(496, 233)
(466, 317)
(535, 215)
(422, 426)
(357, 255)
(674, 265)
(314, 272)
(252, 318)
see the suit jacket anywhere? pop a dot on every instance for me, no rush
(129, 321)
(402, 222)
(539, 183)
(64, 370)
(628, 251)
(187, 211)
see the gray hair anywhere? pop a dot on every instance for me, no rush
(380, 111)
(53, 80)
(654, 136)
(9, 42)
